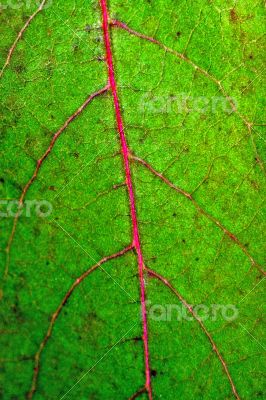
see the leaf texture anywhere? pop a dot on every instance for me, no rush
(141, 125)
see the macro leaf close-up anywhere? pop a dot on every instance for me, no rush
(132, 200)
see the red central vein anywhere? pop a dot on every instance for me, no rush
(125, 153)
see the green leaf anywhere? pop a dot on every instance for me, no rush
(132, 189)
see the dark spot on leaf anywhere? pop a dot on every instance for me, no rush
(183, 241)
(255, 185)
(52, 188)
(2, 180)
(153, 372)
(137, 339)
(174, 214)
(76, 154)
(178, 34)
(197, 258)
(92, 315)
(42, 209)
(24, 17)
(17, 311)
(233, 15)
(75, 46)
(49, 68)
(37, 230)
(20, 68)
(203, 117)
(17, 185)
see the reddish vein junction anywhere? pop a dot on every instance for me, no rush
(125, 153)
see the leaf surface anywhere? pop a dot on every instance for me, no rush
(172, 216)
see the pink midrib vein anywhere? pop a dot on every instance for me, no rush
(125, 153)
